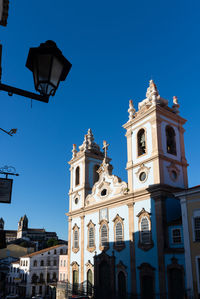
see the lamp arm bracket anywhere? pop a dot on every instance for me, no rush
(24, 93)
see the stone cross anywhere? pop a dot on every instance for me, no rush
(105, 146)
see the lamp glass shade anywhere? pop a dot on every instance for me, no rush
(49, 67)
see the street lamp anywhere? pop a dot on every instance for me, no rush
(48, 66)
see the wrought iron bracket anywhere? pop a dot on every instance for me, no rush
(13, 90)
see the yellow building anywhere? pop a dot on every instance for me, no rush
(190, 206)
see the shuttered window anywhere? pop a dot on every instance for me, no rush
(104, 235)
(75, 239)
(118, 231)
(197, 229)
(91, 237)
(145, 232)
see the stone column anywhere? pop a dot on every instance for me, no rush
(132, 247)
(69, 248)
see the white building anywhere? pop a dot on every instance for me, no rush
(126, 237)
(38, 270)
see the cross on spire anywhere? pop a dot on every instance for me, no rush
(105, 146)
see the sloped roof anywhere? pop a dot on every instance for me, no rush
(43, 250)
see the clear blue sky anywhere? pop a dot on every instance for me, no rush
(115, 47)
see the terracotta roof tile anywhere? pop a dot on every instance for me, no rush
(42, 251)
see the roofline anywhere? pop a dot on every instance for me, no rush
(189, 191)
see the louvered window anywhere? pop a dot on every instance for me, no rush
(91, 237)
(104, 235)
(118, 231)
(75, 239)
(197, 229)
(145, 232)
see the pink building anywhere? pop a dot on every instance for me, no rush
(63, 267)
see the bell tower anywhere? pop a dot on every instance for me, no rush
(155, 143)
(84, 165)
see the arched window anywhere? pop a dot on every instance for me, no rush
(60, 276)
(75, 246)
(77, 178)
(104, 235)
(41, 263)
(76, 239)
(171, 140)
(141, 140)
(95, 174)
(119, 234)
(145, 231)
(119, 243)
(89, 282)
(54, 251)
(61, 251)
(64, 276)
(91, 237)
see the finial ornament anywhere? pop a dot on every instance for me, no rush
(90, 138)
(105, 147)
(176, 105)
(131, 110)
(152, 91)
(74, 151)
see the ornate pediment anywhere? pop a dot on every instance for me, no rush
(108, 186)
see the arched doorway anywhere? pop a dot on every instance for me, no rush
(176, 284)
(104, 280)
(89, 282)
(147, 284)
(75, 282)
(121, 285)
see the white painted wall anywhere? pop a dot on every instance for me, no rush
(137, 184)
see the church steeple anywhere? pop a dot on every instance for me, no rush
(155, 143)
(84, 166)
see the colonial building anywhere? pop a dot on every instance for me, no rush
(190, 206)
(127, 237)
(37, 235)
(36, 272)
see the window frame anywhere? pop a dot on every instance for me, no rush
(172, 236)
(91, 225)
(77, 176)
(75, 229)
(145, 246)
(101, 247)
(167, 128)
(137, 143)
(118, 246)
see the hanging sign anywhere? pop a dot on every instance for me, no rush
(5, 190)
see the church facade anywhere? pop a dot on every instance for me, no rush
(126, 237)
